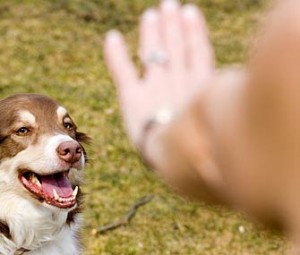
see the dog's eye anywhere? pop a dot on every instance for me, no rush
(68, 125)
(22, 131)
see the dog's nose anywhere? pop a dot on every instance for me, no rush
(69, 151)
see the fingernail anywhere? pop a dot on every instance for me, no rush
(113, 36)
(190, 11)
(169, 5)
(150, 15)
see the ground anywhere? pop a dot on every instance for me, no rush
(55, 48)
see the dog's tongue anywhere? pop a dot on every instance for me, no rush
(60, 183)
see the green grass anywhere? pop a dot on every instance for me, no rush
(55, 48)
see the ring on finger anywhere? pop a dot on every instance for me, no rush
(155, 57)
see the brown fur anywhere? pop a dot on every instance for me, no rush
(43, 119)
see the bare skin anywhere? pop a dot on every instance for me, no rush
(235, 138)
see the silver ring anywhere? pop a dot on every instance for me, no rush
(155, 57)
(162, 117)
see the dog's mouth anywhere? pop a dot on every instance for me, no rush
(54, 189)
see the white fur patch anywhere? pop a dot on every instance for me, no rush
(27, 117)
(61, 112)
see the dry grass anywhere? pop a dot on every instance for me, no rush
(54, 48)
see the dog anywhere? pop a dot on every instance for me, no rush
(41, 169)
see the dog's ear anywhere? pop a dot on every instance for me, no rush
(83, 138)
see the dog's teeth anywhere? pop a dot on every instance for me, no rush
(55, 195)
(35, 180)
(74, 194)
(65, 200)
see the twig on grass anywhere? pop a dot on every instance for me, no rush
(125, 219)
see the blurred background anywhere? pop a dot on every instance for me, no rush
(55, 48)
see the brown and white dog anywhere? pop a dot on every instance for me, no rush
(41, 163)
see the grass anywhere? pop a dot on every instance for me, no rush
(55, 48)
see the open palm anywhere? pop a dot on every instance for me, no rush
(171, 80)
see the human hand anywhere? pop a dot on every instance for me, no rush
(178, 61)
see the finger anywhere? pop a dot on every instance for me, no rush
(118, 61)
(150, 40)
(172, 34)
(199, 50)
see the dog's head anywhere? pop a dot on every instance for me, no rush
(41, 155)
